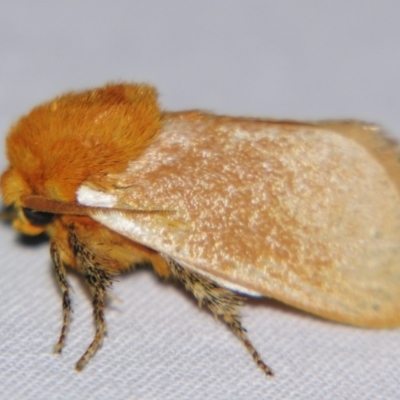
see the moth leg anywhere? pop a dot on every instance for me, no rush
(99, 281)
(66, 302)
(222, 303)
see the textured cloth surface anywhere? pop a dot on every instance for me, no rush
(305, 60)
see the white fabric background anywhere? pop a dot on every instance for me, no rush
(307, 59)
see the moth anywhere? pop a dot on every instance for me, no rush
(306, 213)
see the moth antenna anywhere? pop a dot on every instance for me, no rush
(54, 206)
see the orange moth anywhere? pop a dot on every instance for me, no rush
(306, 213)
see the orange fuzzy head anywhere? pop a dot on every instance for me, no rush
(54, 148)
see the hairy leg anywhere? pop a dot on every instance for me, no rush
(222, 302)
(66, 302)
(99, 281)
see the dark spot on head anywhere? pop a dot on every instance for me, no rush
(37, 218)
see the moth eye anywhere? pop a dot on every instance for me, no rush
(37, 218)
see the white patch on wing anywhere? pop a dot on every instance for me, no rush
(228, 284)
(117, 222)
(94, 198)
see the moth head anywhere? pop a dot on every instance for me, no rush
(26, 220)
(61, 143)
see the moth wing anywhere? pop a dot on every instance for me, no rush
(308, 214)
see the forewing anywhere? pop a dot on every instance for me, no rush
(308, 214)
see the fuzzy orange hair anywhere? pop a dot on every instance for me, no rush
(54, 148)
